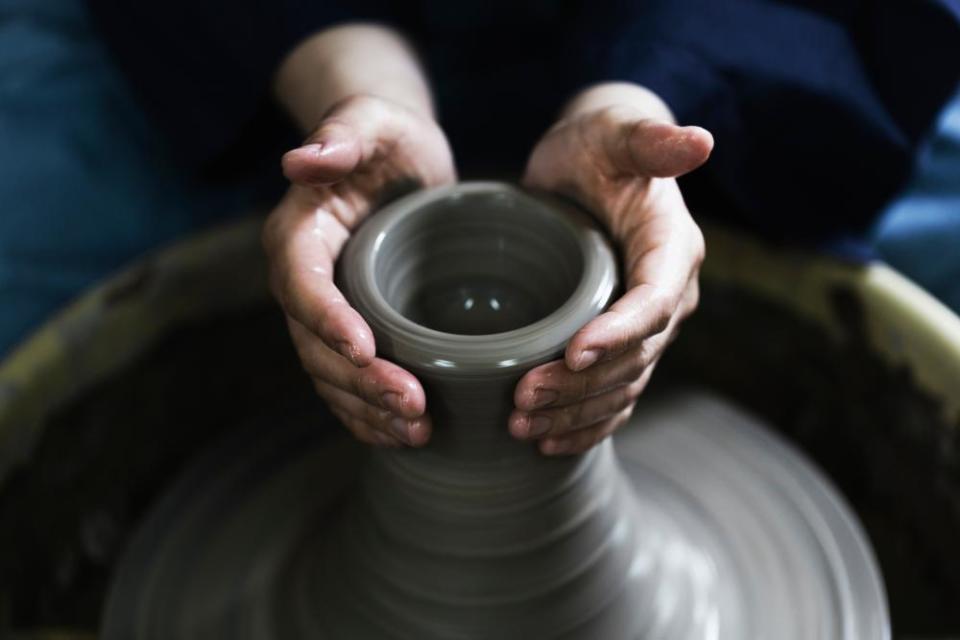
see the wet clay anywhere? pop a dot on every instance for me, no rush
(107, 457)
(728, 510)
(701, 525)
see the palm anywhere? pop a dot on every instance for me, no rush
(620, 166)
(349, 171)
(592, 161)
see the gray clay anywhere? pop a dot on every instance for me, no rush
(702, 525)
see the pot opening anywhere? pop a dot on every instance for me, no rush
(479, 263)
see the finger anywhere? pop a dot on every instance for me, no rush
(562, 420)
(414, 432)
(580, 441)
(639, 315)
(654, 148)
(301, 251)
(660, 280)
(346, 136)
(331, 158)
(633, 325)
(554, 385)
(362, 431)
(381, 383)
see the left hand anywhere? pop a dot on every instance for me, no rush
(617, 153)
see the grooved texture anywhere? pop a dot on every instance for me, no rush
(706, 528)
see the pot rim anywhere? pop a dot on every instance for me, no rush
(223, 270)
(426, 349)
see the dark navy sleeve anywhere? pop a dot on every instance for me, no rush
(817, 106)
(203, 70)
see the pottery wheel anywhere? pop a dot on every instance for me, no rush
(744, 540)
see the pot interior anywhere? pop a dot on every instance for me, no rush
(478, 263)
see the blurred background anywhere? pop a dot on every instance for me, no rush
(126, 127)
(832, 209)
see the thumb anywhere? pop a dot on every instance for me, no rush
(656, 148)
(329, 155)
(350, 132)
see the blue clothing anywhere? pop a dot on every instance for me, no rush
(142, 122)
(818, 107)
(86, 184)
(919, 233)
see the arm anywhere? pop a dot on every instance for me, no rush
(816, 114)
(363, 95)
(345, 61)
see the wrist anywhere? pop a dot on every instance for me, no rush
(618, 94)
(347, 61)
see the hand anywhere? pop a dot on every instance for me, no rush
(619, 161)
(363, 150)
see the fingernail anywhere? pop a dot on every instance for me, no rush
(544, 397)
(588, 357)
(400, 428)
(539, 425)
(392, 401)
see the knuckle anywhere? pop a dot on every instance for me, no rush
(662, 306)
(576, 414)
(616, 115)
(631, 367)
(633, 391)
(582, 387)
(361, 100)
(648, 351)
(622, 329)
(334, 122)
(640, 359)
(652, 348)
(628, 395)
(361, 384)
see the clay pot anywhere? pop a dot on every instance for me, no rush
(165, 415)
(470, 287)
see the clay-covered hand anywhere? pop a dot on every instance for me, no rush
(365, 149)
(617, 152)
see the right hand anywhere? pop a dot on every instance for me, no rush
(363, 151)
